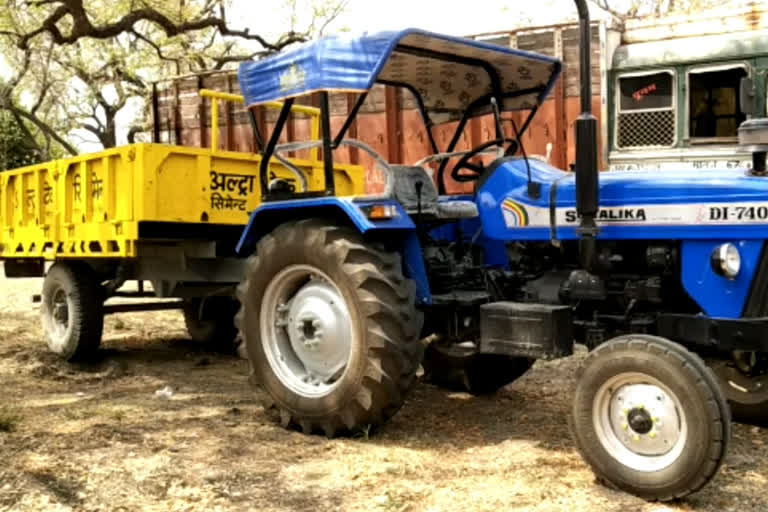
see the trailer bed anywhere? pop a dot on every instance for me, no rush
(94, 205)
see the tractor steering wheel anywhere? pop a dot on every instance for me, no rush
(464, 162)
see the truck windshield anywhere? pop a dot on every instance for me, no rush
(713, 103)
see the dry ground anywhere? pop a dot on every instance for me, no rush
(97, 438)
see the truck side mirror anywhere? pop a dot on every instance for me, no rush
(748, 97)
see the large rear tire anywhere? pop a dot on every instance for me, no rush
(330, 327)
(460, 368)
(72, 311)
(649, 417)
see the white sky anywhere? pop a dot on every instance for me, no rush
(455, 17)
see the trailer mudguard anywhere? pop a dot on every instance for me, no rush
(346, 210)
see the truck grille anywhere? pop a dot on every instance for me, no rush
(646, 129)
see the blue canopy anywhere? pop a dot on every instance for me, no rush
(448, 73)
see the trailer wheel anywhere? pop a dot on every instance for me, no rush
(649, 417)
(330, 327)
(461, 368)
(72, 310)
(211, 322)
(745, 383)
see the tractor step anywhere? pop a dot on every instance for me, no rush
(540, 331)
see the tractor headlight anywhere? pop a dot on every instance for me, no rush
(726, 260)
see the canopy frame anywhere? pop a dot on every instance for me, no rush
(329, 142)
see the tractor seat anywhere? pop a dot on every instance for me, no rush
(409, 179)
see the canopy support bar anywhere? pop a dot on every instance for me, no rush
(325, 126)
(422, 110)
(270, 149)
(350, 119)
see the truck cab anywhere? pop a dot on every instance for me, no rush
(675, 103)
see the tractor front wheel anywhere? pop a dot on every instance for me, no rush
(330, 327)
(649, 417)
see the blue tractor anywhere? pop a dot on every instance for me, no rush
(664, 277)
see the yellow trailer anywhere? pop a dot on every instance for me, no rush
(166, 214)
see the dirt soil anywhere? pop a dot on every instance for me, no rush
(97, 437)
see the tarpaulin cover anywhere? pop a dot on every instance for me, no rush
(449, 73)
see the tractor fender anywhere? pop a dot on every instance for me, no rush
(344, 211)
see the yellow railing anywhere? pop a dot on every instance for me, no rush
(215, 96)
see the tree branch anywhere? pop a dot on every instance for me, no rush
(82, 26)
(43, 127)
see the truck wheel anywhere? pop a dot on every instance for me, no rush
(72, 310)
(330, 327)
(462, 368)
(211, 322)
(649, 417)
(746, 386)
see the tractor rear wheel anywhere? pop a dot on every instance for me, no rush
(649, 417)
(330, 327)
(461, 368)
(72, 311)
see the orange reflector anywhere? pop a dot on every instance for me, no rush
(381, 211)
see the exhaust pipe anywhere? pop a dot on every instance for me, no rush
(586, 147)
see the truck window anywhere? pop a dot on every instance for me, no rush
(646, 110)
(713, 103)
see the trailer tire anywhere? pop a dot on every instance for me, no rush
(649, 417)
(309, 287)
(478, 374)
(72, 311)
(214, 325)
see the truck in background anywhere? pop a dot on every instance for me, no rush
(678, 75)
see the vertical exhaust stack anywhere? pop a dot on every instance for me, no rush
(586, 146)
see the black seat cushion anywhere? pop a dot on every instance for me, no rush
(408, 180)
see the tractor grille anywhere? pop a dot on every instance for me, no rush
(646, 129)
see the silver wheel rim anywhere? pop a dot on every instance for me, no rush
(306, 330)
(56, 319)
(639, 422)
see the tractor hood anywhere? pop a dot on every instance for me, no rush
(639, 204)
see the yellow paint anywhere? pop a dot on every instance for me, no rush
(91, 205)
(312, 112)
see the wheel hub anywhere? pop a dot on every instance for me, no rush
(319, 329)
(645, 420)
(639, 422)
(308, 337)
